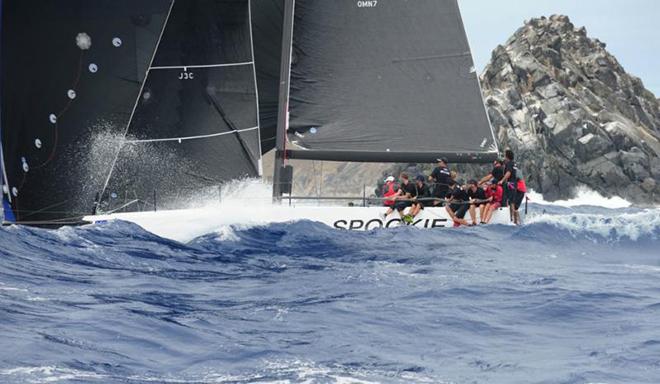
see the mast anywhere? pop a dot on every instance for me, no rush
(283, 106)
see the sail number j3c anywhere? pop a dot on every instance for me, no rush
(186, 76)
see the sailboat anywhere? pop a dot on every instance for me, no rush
(364, 81)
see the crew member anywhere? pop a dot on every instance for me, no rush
(521, 190)
(404, 196)
(494, 194)
(423, 196)
(389, 191)
(478, 199)
(495, 175)
(458, 204)
(509, 179)
(441, 179)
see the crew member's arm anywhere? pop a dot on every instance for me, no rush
(506, 177)
(486, 178)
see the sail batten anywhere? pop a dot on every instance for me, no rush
(202, 65)
(191, 137)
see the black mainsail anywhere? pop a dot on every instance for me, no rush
(384, 81)
(70, 72)
(196, 122)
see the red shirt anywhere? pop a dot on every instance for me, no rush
(495, 194)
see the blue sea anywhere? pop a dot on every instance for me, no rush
(571, 297)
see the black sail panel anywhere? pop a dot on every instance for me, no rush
(195, 123)
(384, 81)
(267, 19)
(70, 73)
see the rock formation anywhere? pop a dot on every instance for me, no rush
(572, 113)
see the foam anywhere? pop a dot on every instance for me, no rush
(48, 374)
(584, 196)
(622, 225)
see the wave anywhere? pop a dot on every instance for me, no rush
(302, 302)
(583, 197)
(615, 226)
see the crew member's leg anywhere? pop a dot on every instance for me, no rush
(473, 213)
(459, 218)
(482, 212)
(516, 213)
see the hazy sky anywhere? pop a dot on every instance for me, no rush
(630, 28)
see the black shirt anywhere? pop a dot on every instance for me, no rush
(497, 173)
(442, 178)
(422, 191)
(408, 188)
(458, 194)
(510, 166)
(479, 194)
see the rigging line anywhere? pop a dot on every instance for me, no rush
(48, 209)
(190, 137)
(137, 98)
(202, 65)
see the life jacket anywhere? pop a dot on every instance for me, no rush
(521, 187)
(390, 189)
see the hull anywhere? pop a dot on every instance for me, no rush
(185, 225)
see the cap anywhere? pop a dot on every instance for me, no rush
(473, 182)
(420, 178)
(389, 178)
(443, 159)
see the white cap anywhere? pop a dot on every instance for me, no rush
(389, 178)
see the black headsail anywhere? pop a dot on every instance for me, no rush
(70, 73)
(384, 81)
(195, 123)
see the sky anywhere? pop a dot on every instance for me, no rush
(630, 28)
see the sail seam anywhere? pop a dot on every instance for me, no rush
(202, 65)
(137, 99)
(190, 137)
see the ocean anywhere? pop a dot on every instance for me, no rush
(571, 297)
